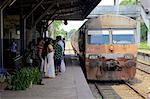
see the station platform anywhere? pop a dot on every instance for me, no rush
(69, 85)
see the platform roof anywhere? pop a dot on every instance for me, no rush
(53, 9)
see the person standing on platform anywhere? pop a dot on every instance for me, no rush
(13, 48)
(40, 48)
(30, 54)
(57, 56)
(62, 44)
(50, 71)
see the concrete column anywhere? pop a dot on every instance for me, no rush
(138, 31)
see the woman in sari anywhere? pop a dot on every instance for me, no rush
(50, 69)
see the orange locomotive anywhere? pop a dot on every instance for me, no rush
(107, 47)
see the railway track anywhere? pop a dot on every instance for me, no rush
(137, 88)
(143, 67)
(117, 91)
(141, 81)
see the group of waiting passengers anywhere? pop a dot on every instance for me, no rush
(48, 55)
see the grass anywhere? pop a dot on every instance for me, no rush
(143, 45)
(144, 48)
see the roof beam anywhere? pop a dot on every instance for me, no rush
(5, 4)
(68, 14)
(67, 2)
(69, 9)
(45, 13)
(92, 7)
(41, 5)
(34, 8)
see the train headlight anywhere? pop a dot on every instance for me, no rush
(93, 56)
(129, 56)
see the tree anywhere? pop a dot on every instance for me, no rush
(57, 31)
(144, 31)
(57, 25)
(62, 33)
(128, 2)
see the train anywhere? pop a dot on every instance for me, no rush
(107, 47)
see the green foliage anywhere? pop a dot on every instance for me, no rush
(62, 33)
(144, 31)
(36, 75)
(23, 78)
(128, 2)
(57, 30)
(143, 45)
(57, 25)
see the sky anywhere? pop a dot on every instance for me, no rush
(77, 24)
(72, 25)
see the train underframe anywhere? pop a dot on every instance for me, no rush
(109, 69)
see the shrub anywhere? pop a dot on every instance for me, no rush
(36, 75)
(23, 78)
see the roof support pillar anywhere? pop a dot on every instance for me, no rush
(2, 7)
(25, 21)
(40, 18)
(22, 28)
(1, 38)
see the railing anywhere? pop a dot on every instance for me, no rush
(131, 10)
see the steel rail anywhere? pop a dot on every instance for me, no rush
(96, 85)
(129, 85)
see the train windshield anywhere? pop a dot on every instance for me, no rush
(98, 37)
(123, 36)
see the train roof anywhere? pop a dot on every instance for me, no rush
(110, 21)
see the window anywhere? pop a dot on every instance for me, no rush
(98, 37)
(123, 36)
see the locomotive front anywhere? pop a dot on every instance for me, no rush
(111, 48)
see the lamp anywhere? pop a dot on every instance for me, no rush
(65, 22)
